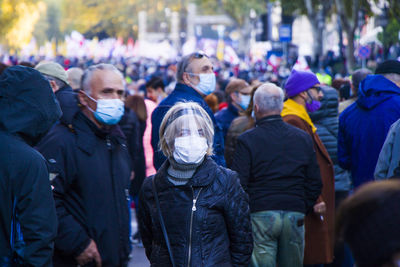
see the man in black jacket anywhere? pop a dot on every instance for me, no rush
(277, 167)
(28, 221)
(90, 170)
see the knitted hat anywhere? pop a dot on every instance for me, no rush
(53, 69)
(388, 66)
(300, 81)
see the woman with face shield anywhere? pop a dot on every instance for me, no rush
(193, 212)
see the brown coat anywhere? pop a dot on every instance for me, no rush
(319, 237)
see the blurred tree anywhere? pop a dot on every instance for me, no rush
(351, 12)
(103, 18)
(17, 21)
(391, 33)
(238, 11)
(317, 12)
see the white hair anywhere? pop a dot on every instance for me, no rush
(269, 98)
(394, 77)
(88, 74)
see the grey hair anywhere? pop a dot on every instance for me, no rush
(87, 75)
(58, 82)
(75, 77)
(394, 77)
(269, 98)
(183, 66)
(358, 76)
(171, 129)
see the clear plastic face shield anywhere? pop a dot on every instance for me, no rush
(187, 134)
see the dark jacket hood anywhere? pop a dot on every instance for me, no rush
(28, 105)
(68, 100)
(375, 89)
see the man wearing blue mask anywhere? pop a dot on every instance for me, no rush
(195, 80)
(89, 170)
(238, 96)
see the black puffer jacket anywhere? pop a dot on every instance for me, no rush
(327, 122)
(221, 230)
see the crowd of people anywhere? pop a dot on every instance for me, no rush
(224, 170)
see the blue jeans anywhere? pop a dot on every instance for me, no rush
(278, 238)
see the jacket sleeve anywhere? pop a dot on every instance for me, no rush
(344, 155)
(72, 238)
(144, 220)
(242, 162)
(36, 212)
(313, 182)
(385, 156)
(237, 218)
(156, 118)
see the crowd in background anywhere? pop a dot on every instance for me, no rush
(334, 133)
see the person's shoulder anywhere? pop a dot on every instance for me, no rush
(249, 134)
(21, 155)
(296, 130)
(59, 135)
(221, 173)
(220, 114)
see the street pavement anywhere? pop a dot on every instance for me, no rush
(138, 258)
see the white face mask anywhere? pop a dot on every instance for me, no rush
(207, 83)
(190, 149)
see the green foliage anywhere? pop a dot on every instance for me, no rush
(390, 34)
(237, 10)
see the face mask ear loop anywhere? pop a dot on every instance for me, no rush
(309, 95)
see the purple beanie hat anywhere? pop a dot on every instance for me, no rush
(300, 81)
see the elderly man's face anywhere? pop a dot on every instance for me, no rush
(198, 66)
(104, 84)
(107, 84)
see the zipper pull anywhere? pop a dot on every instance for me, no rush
(108, 142)
(194, 205)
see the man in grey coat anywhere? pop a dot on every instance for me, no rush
(389, 158)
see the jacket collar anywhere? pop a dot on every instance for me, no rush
(87, 133)
(234, 110)
(180, 87)
(201, 178)
(291, 107)
(268, 119)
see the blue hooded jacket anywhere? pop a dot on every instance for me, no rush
(363, 126)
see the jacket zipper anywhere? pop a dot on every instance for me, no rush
(191, 223)
(108, 142)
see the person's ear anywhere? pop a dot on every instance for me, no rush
(255, 108)
(234, 96)
(53, 85)
(83, 98)
(304, 95)
(186, 78)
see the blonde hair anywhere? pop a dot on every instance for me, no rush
(176, 118)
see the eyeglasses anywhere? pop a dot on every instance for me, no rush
(316, 88)
(195, 55)
(199, 54)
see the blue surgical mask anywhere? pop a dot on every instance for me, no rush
(108, 111)
(244, 101)
(207, 83)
